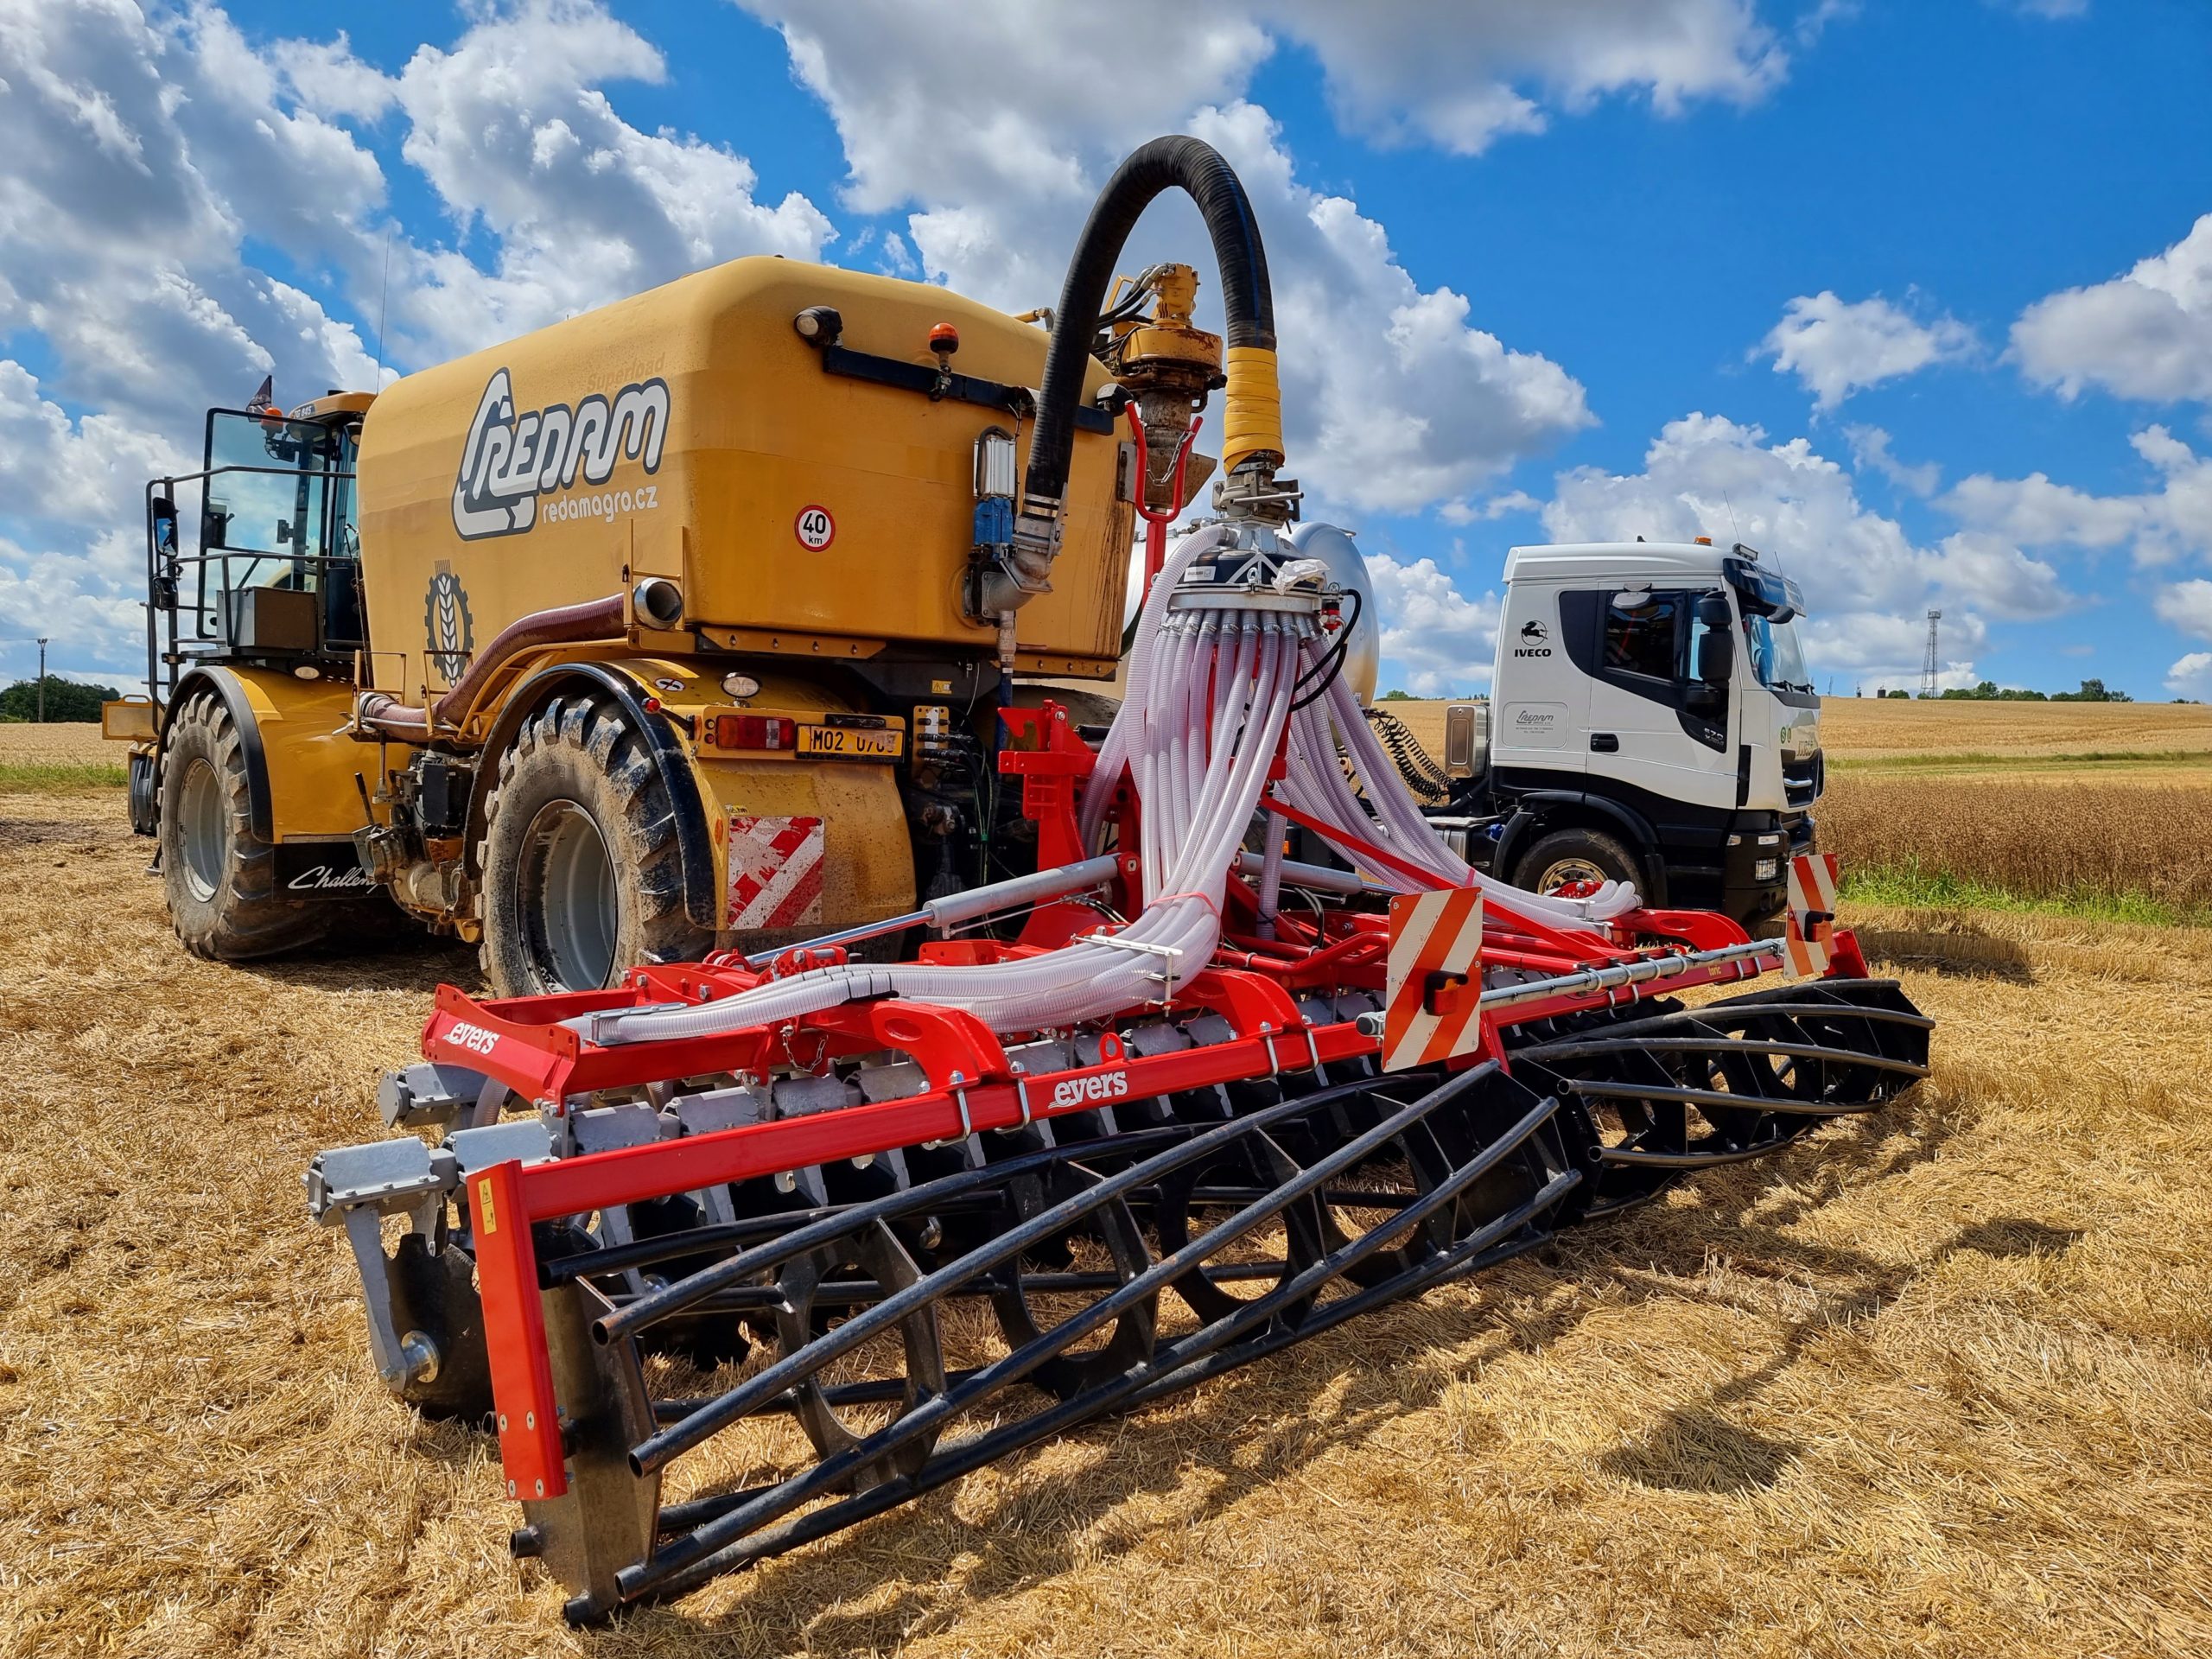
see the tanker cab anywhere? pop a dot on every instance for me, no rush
(1668, 673)
(269, 568)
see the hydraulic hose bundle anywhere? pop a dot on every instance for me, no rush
(1199, 731)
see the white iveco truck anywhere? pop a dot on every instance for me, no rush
(1651, 719)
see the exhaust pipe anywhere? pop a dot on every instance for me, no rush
(598, 618)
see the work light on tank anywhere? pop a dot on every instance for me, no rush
(995, 464)
(740, 685)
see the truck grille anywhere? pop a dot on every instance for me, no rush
(1803, 777)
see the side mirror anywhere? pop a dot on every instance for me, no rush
(214, 526)
(1712, 612)
(1716, 658)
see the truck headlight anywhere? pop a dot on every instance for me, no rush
(1766, 869)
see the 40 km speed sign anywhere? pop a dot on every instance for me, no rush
(814, 528)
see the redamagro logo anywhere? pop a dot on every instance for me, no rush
(509, 459)
(1106, 1085)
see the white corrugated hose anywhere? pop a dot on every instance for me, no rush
(1208, 702)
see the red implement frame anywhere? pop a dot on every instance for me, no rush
(525, 1044)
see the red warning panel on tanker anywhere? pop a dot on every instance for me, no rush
(1433, 992)
(775, 872)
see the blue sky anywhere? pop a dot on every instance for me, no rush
(1910, 295)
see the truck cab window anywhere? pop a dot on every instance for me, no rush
(1644, 635)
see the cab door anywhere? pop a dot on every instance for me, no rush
(1652, 726)
(1540, 700)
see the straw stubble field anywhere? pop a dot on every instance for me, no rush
(1937, 1382)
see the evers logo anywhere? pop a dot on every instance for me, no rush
(1074, 1091)
(474, 1039)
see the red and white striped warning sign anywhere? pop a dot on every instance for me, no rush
(1432, 992)
(1809, 935)
(775, 872)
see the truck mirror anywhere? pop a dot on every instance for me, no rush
(214, 526)
(1713, 611)
(1716, 658)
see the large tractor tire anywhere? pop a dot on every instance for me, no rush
(225, 901)
(583, 877)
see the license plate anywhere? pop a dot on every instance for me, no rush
(854, 742)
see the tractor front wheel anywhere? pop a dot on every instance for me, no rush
(583, 877)
(220, 878)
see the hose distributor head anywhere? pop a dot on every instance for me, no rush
(1253, 447)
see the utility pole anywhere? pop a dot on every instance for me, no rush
(42, 682)
(1927, 668)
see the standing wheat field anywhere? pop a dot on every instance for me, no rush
(2092, 807)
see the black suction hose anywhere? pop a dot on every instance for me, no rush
(1252, 420)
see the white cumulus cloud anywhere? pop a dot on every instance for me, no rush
(2158, 525)
(1837, 347)
(2191, 676)
(1867, 583)
(1397, 70)
(2188, 606)
(1435, 641)
(2145, 335)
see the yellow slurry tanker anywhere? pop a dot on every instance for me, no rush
(683, 622)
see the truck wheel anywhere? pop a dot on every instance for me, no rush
(220, 877)
(1566, 856)
(581, 874)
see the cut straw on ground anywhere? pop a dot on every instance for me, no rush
(1937, 1382)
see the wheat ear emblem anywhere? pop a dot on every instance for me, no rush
(451, 632)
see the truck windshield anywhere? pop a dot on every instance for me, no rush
(1777, 658)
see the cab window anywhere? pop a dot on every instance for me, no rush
(270, 494)
(1644, 635)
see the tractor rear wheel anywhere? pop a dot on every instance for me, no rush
(224, 902)
(583, 877)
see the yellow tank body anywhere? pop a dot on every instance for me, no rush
(689, 432)
(867, 871)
